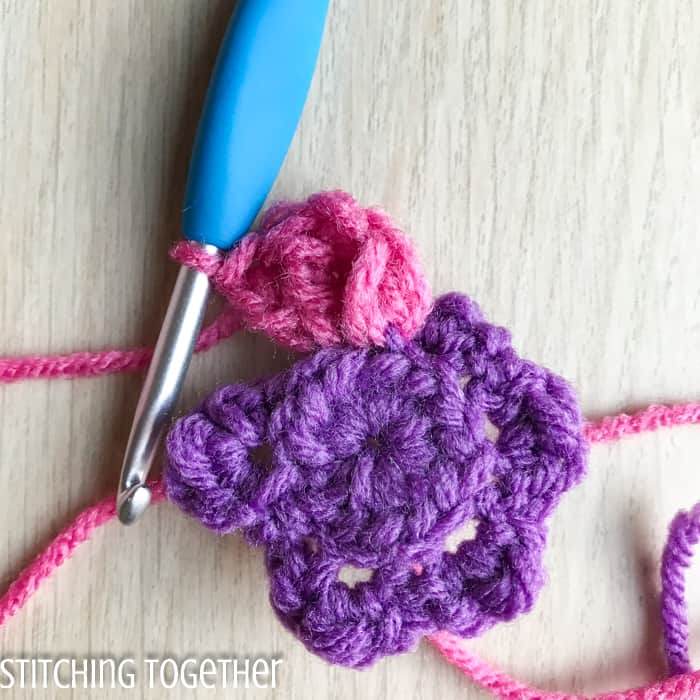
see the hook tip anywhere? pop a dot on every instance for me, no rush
(132, 503)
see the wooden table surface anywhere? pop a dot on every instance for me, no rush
(545, 157)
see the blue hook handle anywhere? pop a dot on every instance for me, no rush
(252, 108)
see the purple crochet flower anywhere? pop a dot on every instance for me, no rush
(377, 456)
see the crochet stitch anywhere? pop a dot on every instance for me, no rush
(378, 455)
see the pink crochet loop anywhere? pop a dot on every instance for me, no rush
(321, 273)
(684, 686)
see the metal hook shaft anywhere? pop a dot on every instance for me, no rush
(161, 388)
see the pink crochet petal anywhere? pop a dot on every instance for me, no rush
(326, 272)
(386, 286)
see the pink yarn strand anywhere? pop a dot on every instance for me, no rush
(76, 365)
(488, 677)
(682, 687)
(648, 419)
(61, 549)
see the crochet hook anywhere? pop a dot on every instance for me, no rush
(254, 101)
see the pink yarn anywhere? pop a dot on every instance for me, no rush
(682, 687)
(651, 418)
(61, 549)
(95, 364)
(321, 273)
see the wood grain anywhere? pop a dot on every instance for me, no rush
(544, 155)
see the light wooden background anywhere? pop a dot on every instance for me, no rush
(545, 156)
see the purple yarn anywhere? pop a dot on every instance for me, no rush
(377, 456)
(683, 535)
